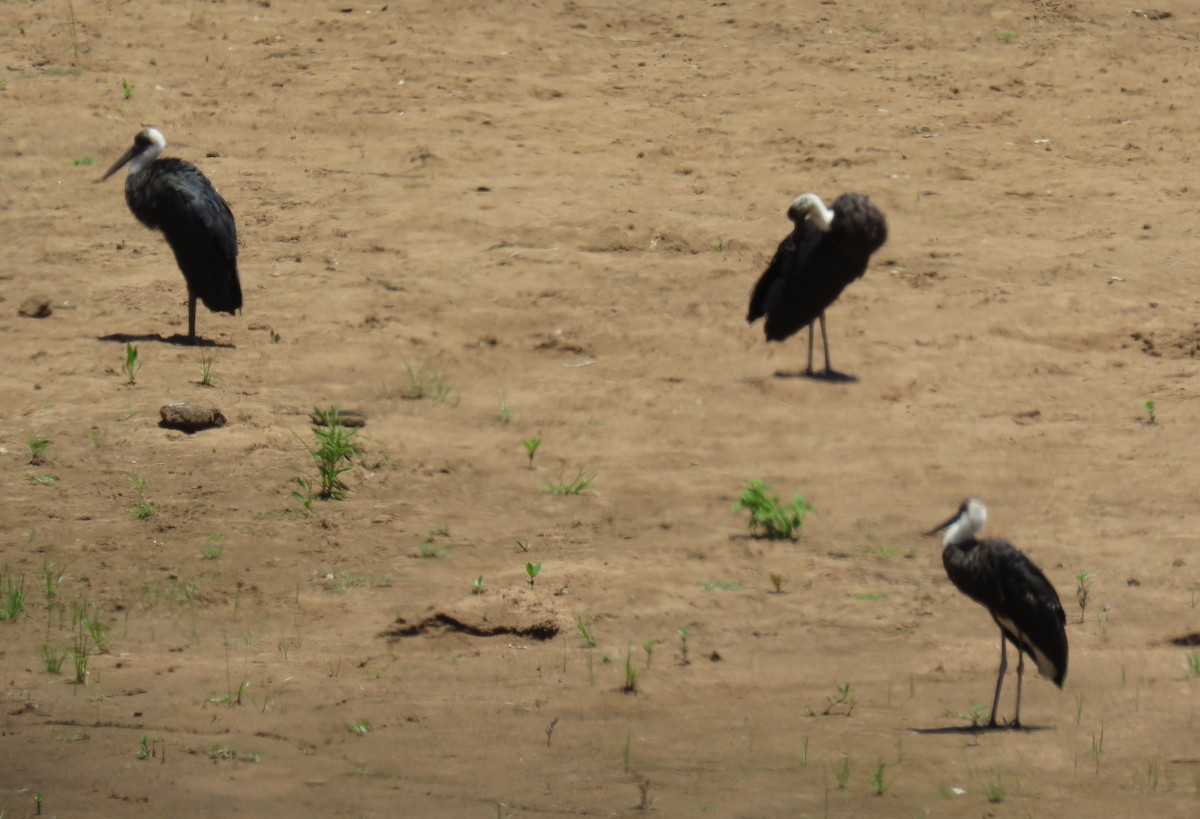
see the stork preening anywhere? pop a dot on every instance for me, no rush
(828, 249)
(1024, 604)
(174, 197)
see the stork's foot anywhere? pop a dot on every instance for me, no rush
(833, 376)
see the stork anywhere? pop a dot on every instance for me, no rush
(828, 249)
(1024, 604)
(174, 197)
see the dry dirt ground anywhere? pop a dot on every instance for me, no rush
(559, 209)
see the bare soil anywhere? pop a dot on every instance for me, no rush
(559, 210)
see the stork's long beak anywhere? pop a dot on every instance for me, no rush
(120, 163)
(943, 525)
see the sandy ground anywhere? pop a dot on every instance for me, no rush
(559, 209)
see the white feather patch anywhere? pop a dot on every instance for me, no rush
(1044, 666)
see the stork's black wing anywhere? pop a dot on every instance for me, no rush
(1020, 598)
(805, 276)
(760, 297)
(1032, 605)
(175, 197)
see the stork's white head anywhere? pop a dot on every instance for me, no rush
(963, 524)
(147, 147)
(810, 205)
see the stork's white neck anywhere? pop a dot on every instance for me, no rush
(810, 205)
(966, 525)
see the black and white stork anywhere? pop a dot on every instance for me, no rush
(174, 197)
(828, 249)
(1024, 604)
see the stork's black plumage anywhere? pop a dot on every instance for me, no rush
(1024, 604)
(828, 249)
(174, 197)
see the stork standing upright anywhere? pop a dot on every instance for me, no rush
(828, 249)
(995, 574)
(174, 197)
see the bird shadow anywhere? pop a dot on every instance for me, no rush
(177, 339)
(978, 729)
(828, 376)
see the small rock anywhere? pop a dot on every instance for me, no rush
(348, 418)
(189, 417)
(35, 307)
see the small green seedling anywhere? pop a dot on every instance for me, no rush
(631, 674)
(1149, 406)
(572, 486)
(440, 528)
(531, 448)
(362, 727)
(428, 381)
(585, 631)
(1005, 37)
(777, 582)
(53, 659)
(37, 449)
(275, 337)
(995, 791)
(131, 366)
(768, 516)
(1098, 747)
(477, 585)
(683, 633)
(332, 454)
(533, 570)
(1083, 592)
(80, 657)
(225, 752)
(38, 799)
(305, 494)
(976, 715)
(648, 646)
(505, 414)
(841, 772)
(206, 373)
(126, 89)
(52, 577)
(843, 698)
(214, 548)
(82, 161)
(878, 783)
(144, 509)
(1193, 664)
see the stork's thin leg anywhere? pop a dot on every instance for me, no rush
(809, 371)
(191, 316)
(825, 345)
(829, 374)
(1016, 720)
(999, 679)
